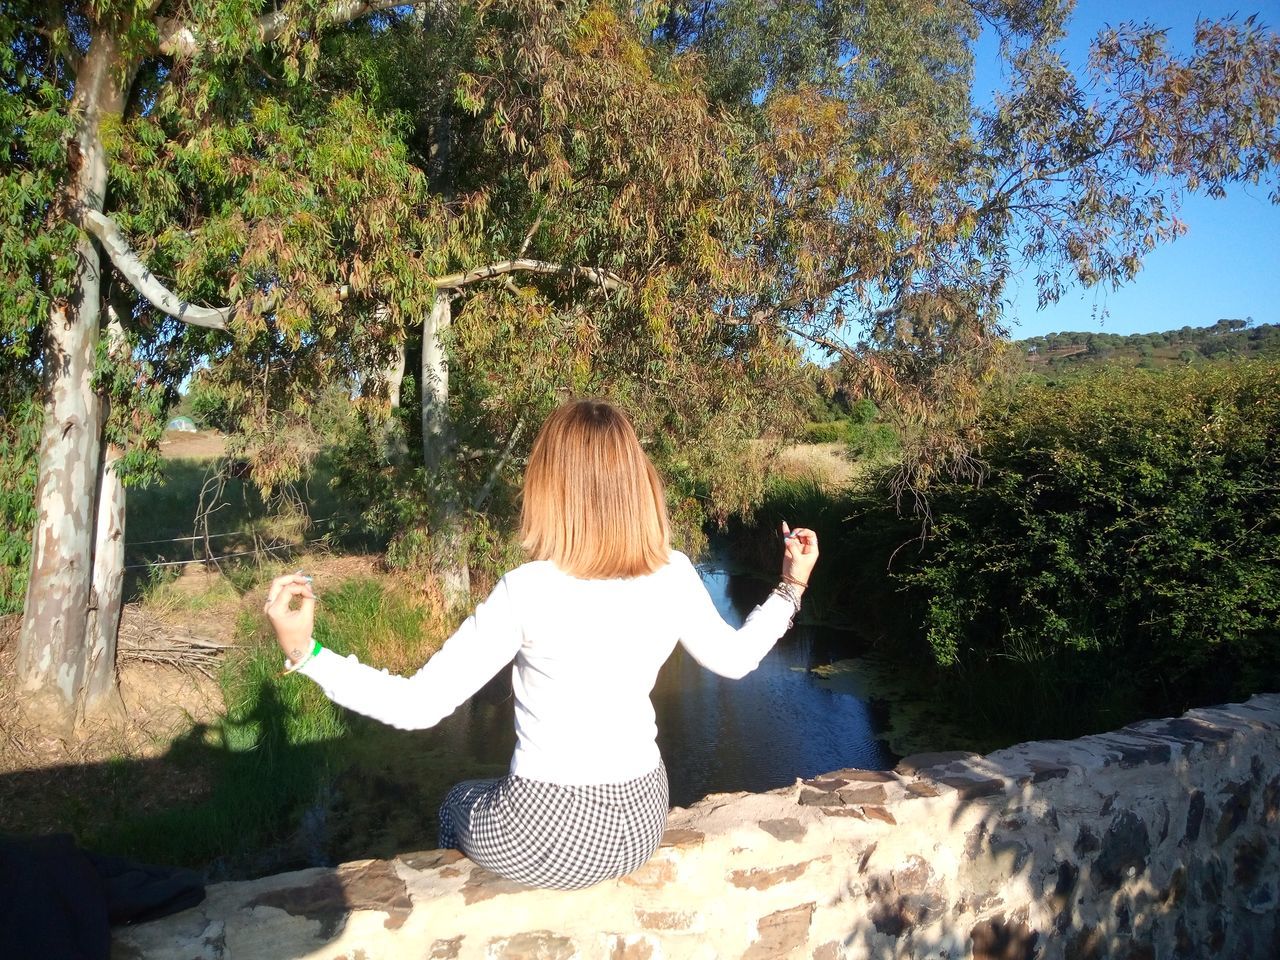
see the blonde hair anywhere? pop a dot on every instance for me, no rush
(593, 503)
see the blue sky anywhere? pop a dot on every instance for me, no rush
(1227, 264)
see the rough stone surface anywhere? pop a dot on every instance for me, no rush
(788, 828)
(1124, 850)
(364, 885)
(537, 945)
(998, 939)
(1161, 840)
(919, 762)
(781, 933)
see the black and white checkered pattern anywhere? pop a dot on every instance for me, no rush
(552, 835)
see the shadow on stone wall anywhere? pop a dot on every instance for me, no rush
(1158, 840)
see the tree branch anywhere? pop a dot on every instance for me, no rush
(454, 281)
(145, 282)
(178, 39)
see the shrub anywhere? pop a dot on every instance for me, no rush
(829, 431)
(19, 443)
(1120, 557)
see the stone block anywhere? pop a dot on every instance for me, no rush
(1195, 817)
(1125, 849)
(633, 948)
(788, 829)
(1250, 861)
(1137, 750)
(879, 813)
(483, 885)
(682, 838)
(921, 788)
(658, 872)
(763, 878)
(1188, 730)
(853, 796)
(430, 859)
(780, 933)
(820, 798)
(665, 919)
(1235, 808)
(917, 763)
(1271, 803)
(851, 774)
(445, 949)
(534, 945)
(363, 885)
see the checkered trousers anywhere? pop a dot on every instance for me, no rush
(551, 835)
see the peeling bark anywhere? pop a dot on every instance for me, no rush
(449, 538)
(145, 282)
(107, 592)
(51, 662)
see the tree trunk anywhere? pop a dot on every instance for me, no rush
(394, 446)
(52, 649)
(107, 593)
(437, 432)
(449, 537)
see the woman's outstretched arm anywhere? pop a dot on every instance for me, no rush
(735, 653)
(485, 643)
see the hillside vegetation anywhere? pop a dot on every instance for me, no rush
(1059, 352)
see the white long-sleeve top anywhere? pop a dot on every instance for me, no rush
(587, 654)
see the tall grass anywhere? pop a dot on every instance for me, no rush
(280, 744)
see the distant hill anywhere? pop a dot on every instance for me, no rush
(1059, 352)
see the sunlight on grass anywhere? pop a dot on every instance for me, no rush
(280, 743)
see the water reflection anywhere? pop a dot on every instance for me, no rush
(716, 735)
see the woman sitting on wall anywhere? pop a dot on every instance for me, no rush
(589, 621)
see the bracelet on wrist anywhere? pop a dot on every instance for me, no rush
(290, 666)
(790, 591)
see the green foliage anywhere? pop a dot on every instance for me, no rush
(1120, 558)
(829, 431)
(869, 439)
(19, 442)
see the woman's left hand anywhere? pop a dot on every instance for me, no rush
(799, 554)
(293, 626)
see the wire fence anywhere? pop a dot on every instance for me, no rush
(258, 550)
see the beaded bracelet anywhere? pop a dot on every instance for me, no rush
(290, 667)
(790, 590)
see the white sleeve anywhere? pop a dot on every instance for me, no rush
(716, 645)
(487, 641)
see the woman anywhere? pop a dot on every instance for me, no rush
(588, 622)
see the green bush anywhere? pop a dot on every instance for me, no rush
(828, 431)
(19, 444)
(1120, 558)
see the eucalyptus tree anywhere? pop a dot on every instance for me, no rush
(337, 179)
(906, 207)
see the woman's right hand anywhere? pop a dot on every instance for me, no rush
(293, 626)
(799, 554)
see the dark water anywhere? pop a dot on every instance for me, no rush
(716, 735)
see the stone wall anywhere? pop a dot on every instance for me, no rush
(1161, 840)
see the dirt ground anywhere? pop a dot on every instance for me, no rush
(201, 445)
